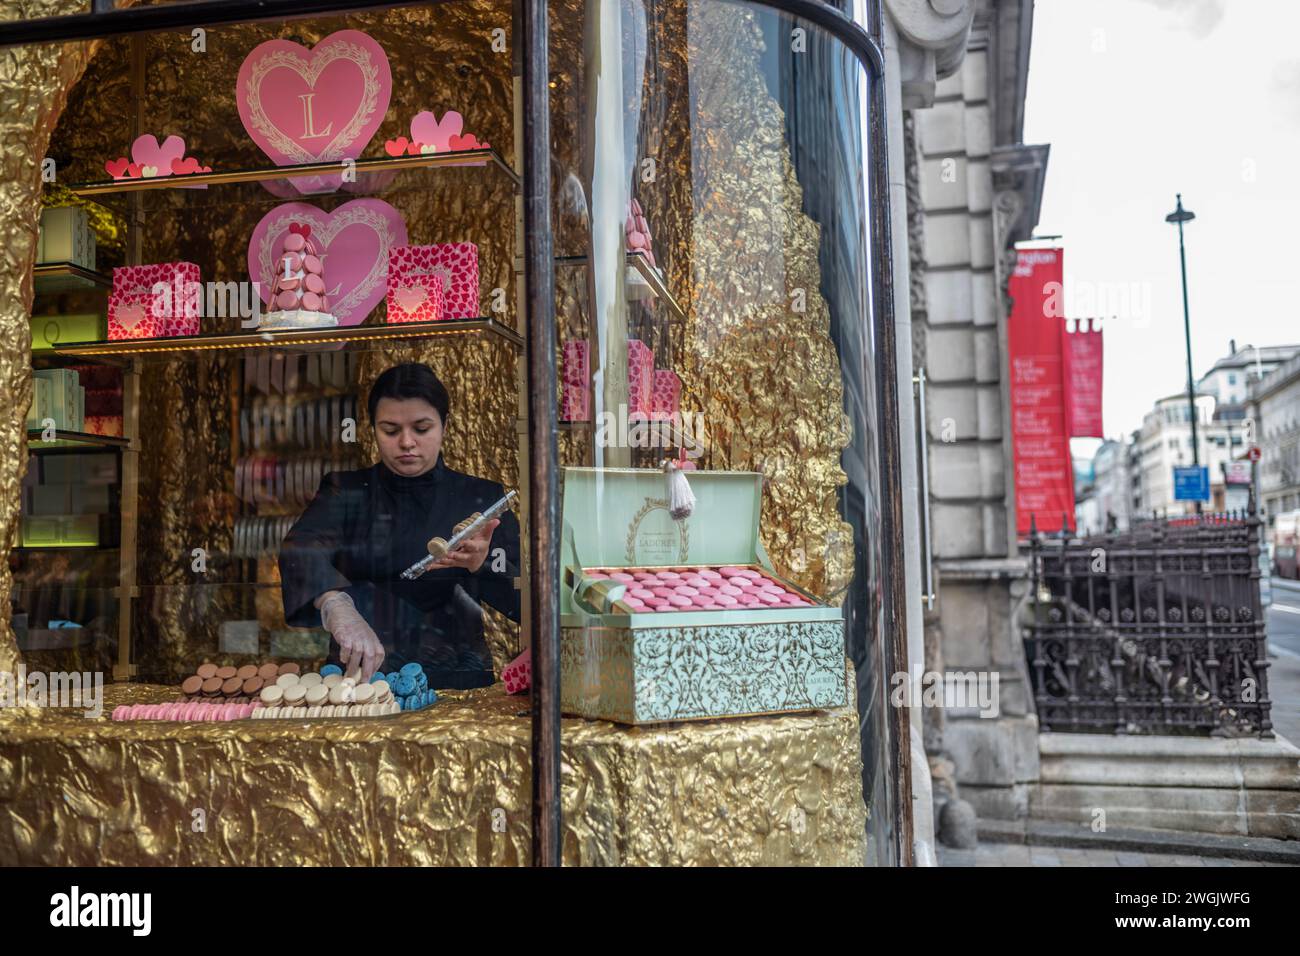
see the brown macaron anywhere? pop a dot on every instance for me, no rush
(268, 672)
(247, 671)
(290, 668)
(192, 684)
(207, 670)
(231, 686)
(212, 686)
(227, 672)
(252, 685)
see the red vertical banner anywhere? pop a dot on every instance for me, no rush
(1044, 474)
(1083, 360)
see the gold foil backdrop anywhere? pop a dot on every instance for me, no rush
(448, 785)
(724, 208)
(34, 83)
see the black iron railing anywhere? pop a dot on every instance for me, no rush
(1155, 630)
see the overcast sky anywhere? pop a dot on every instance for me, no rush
(1141, 99)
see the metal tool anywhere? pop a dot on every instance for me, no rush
(438, 548)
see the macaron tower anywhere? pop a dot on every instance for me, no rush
(298, 289)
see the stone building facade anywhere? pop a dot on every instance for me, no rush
(974, 191)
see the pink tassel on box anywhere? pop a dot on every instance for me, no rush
(681, 500)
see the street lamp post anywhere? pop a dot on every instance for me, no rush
(1180, 216)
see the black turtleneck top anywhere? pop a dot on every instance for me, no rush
(364, 528)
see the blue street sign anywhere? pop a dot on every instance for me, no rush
(1192, 484)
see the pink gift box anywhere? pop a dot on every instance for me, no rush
(456, 263)
(159, 300)
(415, 298)
(518, 674)
(575, 398)
(640, 378)
(666, 398)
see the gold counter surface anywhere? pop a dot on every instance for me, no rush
(447, 785)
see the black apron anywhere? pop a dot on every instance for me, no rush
(364, 528)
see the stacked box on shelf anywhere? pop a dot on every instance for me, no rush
(60, 401)
(643, 665)
(66, 236)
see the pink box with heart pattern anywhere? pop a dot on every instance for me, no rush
(154, 301)
(640, 378)
(575, 397)
(666, 397)
(456, 263)
(415, 298)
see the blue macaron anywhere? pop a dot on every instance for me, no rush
(329, 669)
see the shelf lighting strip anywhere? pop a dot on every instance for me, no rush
(273, 340)
(466, 157)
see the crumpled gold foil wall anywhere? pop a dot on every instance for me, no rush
(725, 209)
(448, 786)
(34, 83)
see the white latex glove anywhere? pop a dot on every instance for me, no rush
(359, 646)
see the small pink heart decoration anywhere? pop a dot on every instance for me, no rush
(411, 297)
(305, 106)
(428, 131)
(354, 240)
(468, 141)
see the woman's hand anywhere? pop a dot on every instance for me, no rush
(359, 646)
(472, 552)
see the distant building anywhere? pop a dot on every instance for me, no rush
(1274, 411)
(1230, 379)
(1112, 490)
(1165, 442)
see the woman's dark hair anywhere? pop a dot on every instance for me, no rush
(410, 380)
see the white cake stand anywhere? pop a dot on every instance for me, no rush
(296, 319)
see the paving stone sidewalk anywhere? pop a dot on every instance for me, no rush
(1018, 854)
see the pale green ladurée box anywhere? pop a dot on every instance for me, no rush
(653, 667)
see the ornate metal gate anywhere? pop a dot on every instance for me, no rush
(1157, 630)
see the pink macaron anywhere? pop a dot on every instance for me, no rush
(731, 589)
(668, 575)
(660, 591)
(620, 576)
(596, 576)
(686, 590)
(710, 575)
(678, 600)
(634, 603)
(725, 600)
(768, 598)
(639, 593)
(736, 581)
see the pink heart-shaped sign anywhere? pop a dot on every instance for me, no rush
(130, 315)
(353, 241)
(428, 131)
(306, 106)
(411, 297)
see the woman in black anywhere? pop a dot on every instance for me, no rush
(341, 564)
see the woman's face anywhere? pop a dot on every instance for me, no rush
(409, 431)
